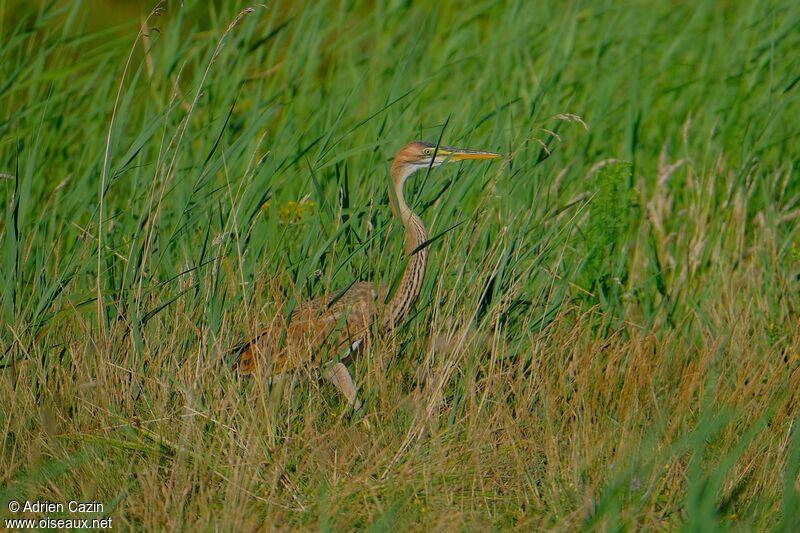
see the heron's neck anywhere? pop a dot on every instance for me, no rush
(411, 283)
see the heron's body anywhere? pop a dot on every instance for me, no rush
(326, 330)
(322, 326)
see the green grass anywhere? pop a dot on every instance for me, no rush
(607, 338)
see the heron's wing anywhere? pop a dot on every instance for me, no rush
(318, 332)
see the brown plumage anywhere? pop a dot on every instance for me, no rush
(326, 330)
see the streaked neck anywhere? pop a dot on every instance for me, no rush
(411, 283)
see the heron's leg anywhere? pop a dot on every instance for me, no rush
(340, 376)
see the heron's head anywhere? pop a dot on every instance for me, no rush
(418, 155)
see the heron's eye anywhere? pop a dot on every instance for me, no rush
(428, 151)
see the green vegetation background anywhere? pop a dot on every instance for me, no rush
(608, 334)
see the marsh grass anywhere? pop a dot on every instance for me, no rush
(607, 337)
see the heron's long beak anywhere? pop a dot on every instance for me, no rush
(461, 155)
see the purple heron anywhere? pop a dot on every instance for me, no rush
(324, 332)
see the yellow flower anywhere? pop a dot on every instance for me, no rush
(292, 212)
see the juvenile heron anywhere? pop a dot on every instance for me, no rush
(327, 330)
